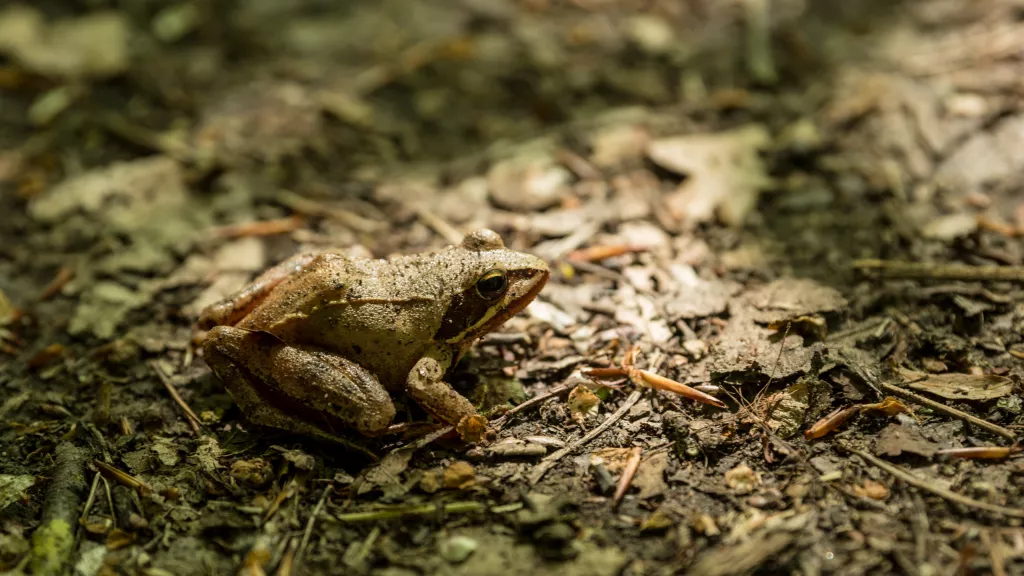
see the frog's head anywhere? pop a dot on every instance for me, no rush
(492, 284)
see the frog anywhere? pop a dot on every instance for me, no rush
(319, 343)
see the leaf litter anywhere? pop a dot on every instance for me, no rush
(709, 244)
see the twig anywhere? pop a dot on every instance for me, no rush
(284, 568)
(497, 423)
(437, 224)
(53, 540)
(64, 275)
(994, 553)
(924, 270)
(632, 464)
(289, 490)
(91, 498)
(122, 478)
(759, 47)
(940, 407)
(909, 478)
(259, 228)
(371, 515)
(306, 206)
(309, 526)
(549, 462)
(193, 420)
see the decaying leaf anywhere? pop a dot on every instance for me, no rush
(459, 475)
(742, 479)
(614, 459)
(582, 401)
(957, 386)
(528, 183)
(122, 193)
(789, 298)
(12, 486)
(91, 46)
(896, 439)
(871, 489)
(390, 468)
(787, 409)
(264, 121)
(725, 174)
(650, 476)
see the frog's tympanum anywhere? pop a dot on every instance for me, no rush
(318, 343)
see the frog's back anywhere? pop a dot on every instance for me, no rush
(381, 314)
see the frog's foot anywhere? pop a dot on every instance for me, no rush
(302, 389)
(426, 386)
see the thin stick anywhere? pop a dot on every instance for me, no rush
(437, 224)
(192, 418)
(938, 406)
(632, 464)
(284, 568)
(371, 515)
(909, 478)
(497, 423)
(928, 271)
(309, 526)
(122, 478)
(994, 553)
(91, 499)
(549, 462)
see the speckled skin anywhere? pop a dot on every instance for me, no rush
(320, 341)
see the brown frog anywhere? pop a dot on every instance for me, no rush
(318, 343)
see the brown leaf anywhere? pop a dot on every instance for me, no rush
(582, 401)
(895, 439)
(614, 459)
(958, 386)
(459, 475)
(871, 489)
(650, 476)
(725, 173)
(889, 406)
(790, 298)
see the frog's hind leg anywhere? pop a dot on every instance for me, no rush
(303, 389)
(230, 310)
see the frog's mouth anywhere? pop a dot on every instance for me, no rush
(524, 290)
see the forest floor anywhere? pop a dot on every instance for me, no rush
(812, 212)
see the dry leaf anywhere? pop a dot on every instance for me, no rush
(791, 298)
(528, 184)
(94, 45)
(896, 439)
(725, 174)
(582, 401)
(459, 475)
(871, 489)
(614, 459)
(650, 476)
(958, 386)
(742, 479)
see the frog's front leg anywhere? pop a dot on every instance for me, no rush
(230, 310)
(297, 388)
(425, 384)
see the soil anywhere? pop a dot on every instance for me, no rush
(783, 332)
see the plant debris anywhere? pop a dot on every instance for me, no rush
(781, 330)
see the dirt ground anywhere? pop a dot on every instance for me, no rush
(783, 331)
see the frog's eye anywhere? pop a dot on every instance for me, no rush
(492, 284)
